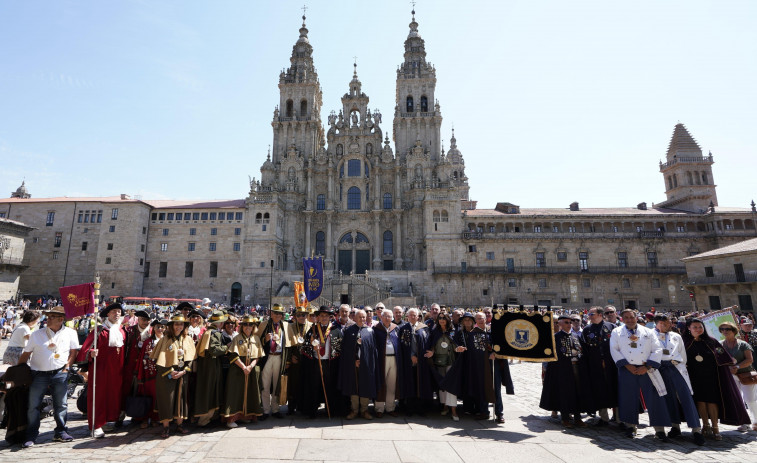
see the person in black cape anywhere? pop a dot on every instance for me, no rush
(357, 367)
(565, 380)
(478, 383)
(415, 378)
(603, 374)
(322, 344)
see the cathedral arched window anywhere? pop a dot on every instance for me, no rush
(266, 217)
(454, 174)
(675, 180)
(445, 216)
(369, 148)
(670, 182)
(320, 243)
(258, 218)
(704, 178)
(304, 108)
(409, 105)
(437, 217)
(388, 244)
(347, 238)
(320, 203)
(424, 104)
(353, 168)
(290, 108)
(689, 179)
(387, 200)
(353, 198)
(360, 238)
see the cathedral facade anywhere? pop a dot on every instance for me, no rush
(389, 212)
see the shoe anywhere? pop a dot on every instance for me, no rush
(445, 411)
(707, 431)
(674, 432)
(392, 414)
(455, 418)
(743, 428)
(278, 415)
(567, 424)
(366, 415)
(500, 419)
(231, 425)
(482, 416)
(165, 432)
(630, 432)
(716, 434)
(579, 423)
(180, 429)
(63, 437)
(264, 417)
(661, 437)
(379, 414)
(108, 427)
(698, 438)
(28, 444)
(99, 433)
(351, 416)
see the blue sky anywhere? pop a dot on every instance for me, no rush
(552, 101)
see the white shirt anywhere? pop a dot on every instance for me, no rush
(648, 350)
(672, 342)
(43, 358)
(17, 338)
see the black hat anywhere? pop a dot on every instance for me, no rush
(468, 315)
(564, 317)
(115, 305)
(196, 312)
(324, 309)
(185, 305)
(159, 321)
(142, 313)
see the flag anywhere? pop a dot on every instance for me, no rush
(313, 269)
(524, 336)
(299, 295)
(78, 300)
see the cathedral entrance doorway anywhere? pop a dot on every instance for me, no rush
(236, 293)
(354, 253)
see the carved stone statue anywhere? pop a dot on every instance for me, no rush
(354, 118)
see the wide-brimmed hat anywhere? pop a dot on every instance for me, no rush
(57, 310)
(185, 306)
(159, 321)
(249, 319)
(277, 308)
(197, 313)
(218, 316)
(104, 312)
(324, 309)
(302, 309)
(142, 313)
(178, 318)
(468, 315)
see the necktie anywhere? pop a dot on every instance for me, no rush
(273, 338)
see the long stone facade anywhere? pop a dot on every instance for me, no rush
(390, 214)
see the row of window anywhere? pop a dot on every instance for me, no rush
(188, 269)
(353, 200)
(625, 283)
(556, 229)
(84, 216)
(197, 216)
(562, 256)
(192, 246)
(213, 231)
(387, 244)
(410, 106)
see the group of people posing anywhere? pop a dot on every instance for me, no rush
(203, 367)
(676, 374)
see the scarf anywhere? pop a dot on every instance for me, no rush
(115, 336)
(144, 334)
(194, 331)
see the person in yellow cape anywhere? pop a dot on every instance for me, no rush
(173, 356)
(296, 334)
(242, 391)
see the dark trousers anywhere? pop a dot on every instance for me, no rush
(678, 392)
(56, 380)
(629, 386)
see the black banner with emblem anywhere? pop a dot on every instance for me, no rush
(523, 336)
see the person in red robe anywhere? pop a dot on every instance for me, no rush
(148, 371)
(136, 336)
(107, 378)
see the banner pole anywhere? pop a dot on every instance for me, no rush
(94, 362)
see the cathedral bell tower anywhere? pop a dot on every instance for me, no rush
(689, 185)
(417, 116)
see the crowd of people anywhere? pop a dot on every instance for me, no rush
(193, 366)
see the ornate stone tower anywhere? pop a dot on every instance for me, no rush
(417, 116)
(689, 185)
(21, 192)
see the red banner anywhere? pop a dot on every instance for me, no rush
(78, 300)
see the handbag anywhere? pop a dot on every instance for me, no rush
(283, 382)
(748, 377)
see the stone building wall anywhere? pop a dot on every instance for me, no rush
(12, 247)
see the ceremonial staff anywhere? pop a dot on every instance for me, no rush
(95, 341)
(246, 379)
(320, 367)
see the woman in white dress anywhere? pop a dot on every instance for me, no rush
(20, 337)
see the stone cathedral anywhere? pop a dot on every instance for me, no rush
(344, 193)
(389, 212)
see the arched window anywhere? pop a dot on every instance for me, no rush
(454, 174)
(353, 198)
(437, 217)
(290, 108)
(388, 243)
(387, 200)
(320, 243)
(353, 168)
(445, 216)
(369, 148)
(266, 217)
(410, 107)
(339, 149)
(424, 104)
(704, 178)
(304, 108)
(347, 238)
(675, 180)
(689, 179)
(258, 218)
(670, 182)
(320, 203)
(361, 238)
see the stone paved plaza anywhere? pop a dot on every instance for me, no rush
(527, 435)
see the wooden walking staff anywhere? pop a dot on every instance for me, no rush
(246, 379)
(94, 362)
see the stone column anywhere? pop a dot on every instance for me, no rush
(308, 226)
(329, 244)
(378, 242)
(398, 242)
(309, 194)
